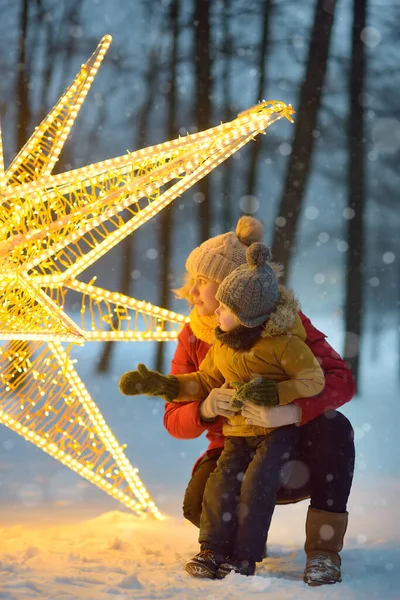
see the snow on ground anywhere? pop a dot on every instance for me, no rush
(62, 539)
(115, 555)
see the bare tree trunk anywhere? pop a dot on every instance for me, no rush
(23, 108)
(127, 245)
(60, 36)
(256, 145)
(306, 117)
(103, 364)
(57, 39)
(226, 167)
(166, 215)
(22, 124)
(203, 102)
(71, 19)
(398, 319)
(354, 308)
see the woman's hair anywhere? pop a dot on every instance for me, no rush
(183, 291)
(188, 281)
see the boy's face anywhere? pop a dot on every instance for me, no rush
(226, 319)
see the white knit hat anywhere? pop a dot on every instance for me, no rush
(220, 255)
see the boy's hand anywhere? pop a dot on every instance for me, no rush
(261, 392)
(149, 383)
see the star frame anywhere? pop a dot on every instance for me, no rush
(52, 228)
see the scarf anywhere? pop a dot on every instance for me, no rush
(241, 337)
(203, 327)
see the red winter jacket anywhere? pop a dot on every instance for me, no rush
(182, 420)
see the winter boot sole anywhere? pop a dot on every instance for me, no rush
(196, 570)
(321, 573)
(312, 583)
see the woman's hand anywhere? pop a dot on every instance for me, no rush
(270, 416)
(217, 403)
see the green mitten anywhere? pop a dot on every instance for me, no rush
(149, 383)
(237, 399)
(260, 391)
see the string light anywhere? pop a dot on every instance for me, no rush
(52, 228)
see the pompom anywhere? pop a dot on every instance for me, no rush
(249, 230)
(257, 255)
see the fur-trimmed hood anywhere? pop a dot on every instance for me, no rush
(285, 319)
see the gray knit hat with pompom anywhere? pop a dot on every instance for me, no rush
(251, 291)
(220, 255)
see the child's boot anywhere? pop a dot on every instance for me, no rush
(205, 564)
(324, 540)
(242, 567)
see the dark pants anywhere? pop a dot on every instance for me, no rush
(322, 469)
(240, 495)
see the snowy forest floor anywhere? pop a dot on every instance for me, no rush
(115, 555)
(62, 539)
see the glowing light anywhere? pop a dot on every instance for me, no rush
(52, 228)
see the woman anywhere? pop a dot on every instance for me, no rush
(318, 473)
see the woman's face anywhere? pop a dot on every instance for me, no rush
(203, 292)
(226, 319)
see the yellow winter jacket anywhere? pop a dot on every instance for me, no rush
(280, 354)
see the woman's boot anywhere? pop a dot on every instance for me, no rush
(324, 540)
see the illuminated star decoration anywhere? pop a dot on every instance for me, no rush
(52, 228)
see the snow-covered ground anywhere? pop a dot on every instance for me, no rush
(116, 556)
(63, 539)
